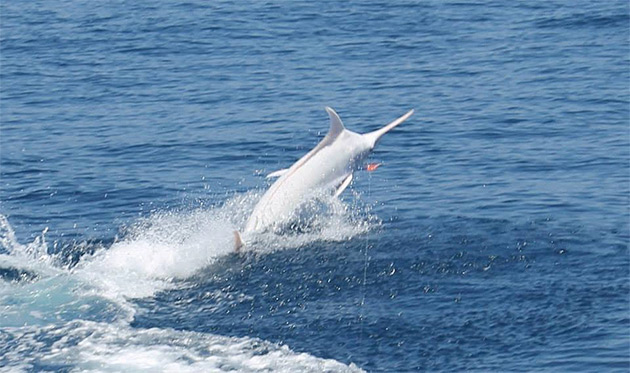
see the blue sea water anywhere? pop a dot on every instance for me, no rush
(135, 136)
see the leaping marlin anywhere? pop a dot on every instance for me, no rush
(327, 168)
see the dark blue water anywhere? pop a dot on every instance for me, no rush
(135, 136)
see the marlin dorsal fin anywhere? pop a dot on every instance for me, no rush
(336, 125)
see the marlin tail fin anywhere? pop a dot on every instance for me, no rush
(238, 242)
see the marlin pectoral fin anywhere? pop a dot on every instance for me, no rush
(278, 173)
(343, 185)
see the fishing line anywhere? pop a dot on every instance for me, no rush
(365, 264)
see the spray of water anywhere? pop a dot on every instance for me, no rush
(96, 296)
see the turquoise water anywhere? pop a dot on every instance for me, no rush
(134, 137)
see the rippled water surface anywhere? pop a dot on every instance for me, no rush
(135, 136)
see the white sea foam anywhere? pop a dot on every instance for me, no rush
(86, 346)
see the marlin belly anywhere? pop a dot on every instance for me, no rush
(280, 203)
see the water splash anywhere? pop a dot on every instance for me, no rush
(174, 245)
(78, 316)
(32, 255)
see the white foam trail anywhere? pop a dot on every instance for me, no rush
(87, 346)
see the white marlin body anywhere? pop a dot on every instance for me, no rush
(328, 168)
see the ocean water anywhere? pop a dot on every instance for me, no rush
(135, 136)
